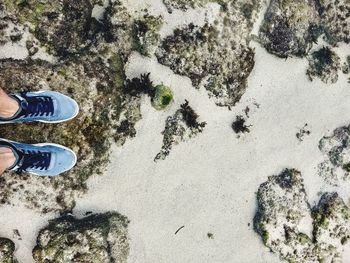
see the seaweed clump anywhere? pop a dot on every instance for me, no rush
(191, 117)
(139, 86)
(302, 133)
(95, 239)
(239, 125)
(324, 64)
(281, 217)
(180, 127)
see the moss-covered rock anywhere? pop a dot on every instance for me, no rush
(292, 229)
(62, 26)
(215, 56)
(335, 17)
(331, 220)
(93, 75)
(180, 127)
(97, 87)
(7, 249)
(98, 238)
(324, 64)
(163, 96)
(335, 148)
(290, 27)
(146, 34)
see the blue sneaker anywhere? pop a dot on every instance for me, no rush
(45, 159)
(43, 106)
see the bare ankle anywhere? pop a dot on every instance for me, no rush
(8, 106)
(7, 158)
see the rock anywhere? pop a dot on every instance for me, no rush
(282, 202)
(331, 220)
(336, 147)
(215, 56)
(163, 97)
(7, 249)
(98, 238)
(346, 66)
(324, 64)
(290, 27)
(96, 84)
(335, 17)
(292, 229)
(93, 75)
(180, 127)
(146, 34)
(117, 29)
(62, 26)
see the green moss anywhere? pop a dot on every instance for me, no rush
(29, 10)
(117, 67)
(146, 34)
(303, 239)
(162, 98)
(265, 237)
(346, 213)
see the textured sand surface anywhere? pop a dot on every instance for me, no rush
(207, 185)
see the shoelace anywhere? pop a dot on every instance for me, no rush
(36, 106)
(34, 160)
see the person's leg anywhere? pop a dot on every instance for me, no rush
(8, 106)
(7, 159)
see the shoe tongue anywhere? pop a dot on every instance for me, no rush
(18, 155)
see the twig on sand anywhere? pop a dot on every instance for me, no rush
(177, 231)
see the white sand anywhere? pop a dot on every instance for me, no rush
(208, 184)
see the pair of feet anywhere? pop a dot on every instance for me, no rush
(45, 159)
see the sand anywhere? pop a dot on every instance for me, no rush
(207, 185)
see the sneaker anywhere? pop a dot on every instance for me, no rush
(45, 159)
(43, 106)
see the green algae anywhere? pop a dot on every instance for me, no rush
(163, 96)
(146, 34)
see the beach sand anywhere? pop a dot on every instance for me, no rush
(207, 185)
